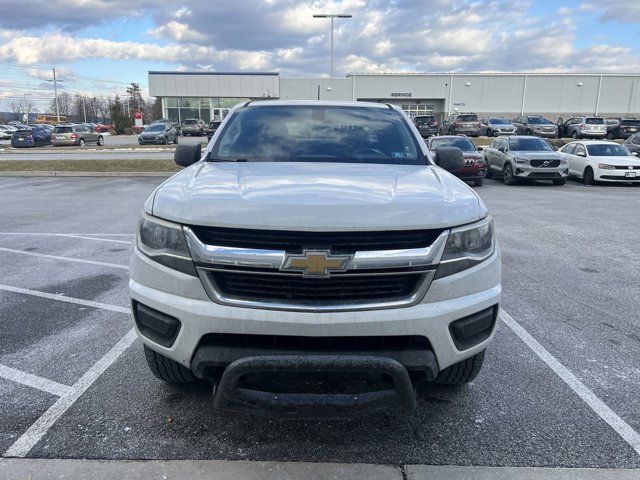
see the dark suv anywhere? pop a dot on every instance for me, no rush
(462, 123)
(31, 136)
(618, 127)
(427, 125)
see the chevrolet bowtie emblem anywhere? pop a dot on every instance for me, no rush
(315, 263)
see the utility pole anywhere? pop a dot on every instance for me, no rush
(332, 16)
(84, 110)
(55, 92)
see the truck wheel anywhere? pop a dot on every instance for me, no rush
(461, 372)
(166, 369)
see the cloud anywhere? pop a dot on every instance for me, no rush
(623, 11)
(174, 30)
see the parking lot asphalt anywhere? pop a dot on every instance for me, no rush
(570, 281)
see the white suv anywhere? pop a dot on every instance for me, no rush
(314, 240)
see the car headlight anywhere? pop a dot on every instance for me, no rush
(520, 160)
(164, 243)
(605, 166)
(466, 247)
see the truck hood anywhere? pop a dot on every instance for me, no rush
(316, 197)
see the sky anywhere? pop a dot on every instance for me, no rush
(99, 46)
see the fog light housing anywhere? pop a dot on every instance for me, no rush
(156, 326)
(474, 329)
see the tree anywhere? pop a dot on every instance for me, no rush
(136, 102)
(153, 111)
(65, 105)
(16, 110)
(121, 121)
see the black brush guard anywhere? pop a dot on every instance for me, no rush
(229, 395)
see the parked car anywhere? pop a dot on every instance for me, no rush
(494, 126)
(193, 126)
(105, 129)
(581, 127)
(75, 134)
(174, 124)
(465, 123)
(601, 161)
(618, 127)
(535, 125)
(211, 129)
(633, 144)
(324, 251)
(474, 165)
(27, 136)
(158, 133)
(427, 125)
(6, 131)
(524, 157)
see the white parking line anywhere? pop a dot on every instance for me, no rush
(68, 259)
(33, 381)
(62, 298)
(598, 406)
(35, 432)
(70, 235)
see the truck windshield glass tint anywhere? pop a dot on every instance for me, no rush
(317, 134)
(529, 145)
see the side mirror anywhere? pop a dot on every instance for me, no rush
(186, 155)
(449, 158)
(480, 149)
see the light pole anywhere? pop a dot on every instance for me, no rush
(55, 93)
(332, 16)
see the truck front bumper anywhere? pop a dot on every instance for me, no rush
(184, 298)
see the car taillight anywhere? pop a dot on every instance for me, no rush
(74, 135)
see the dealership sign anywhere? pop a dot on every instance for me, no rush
(401, 94)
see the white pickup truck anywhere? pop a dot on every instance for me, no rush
(315, 260)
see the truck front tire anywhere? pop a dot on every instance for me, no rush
(461, 372)
(166, 369)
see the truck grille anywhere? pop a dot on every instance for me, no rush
(321, 292)
(539, 163)
(295, 241)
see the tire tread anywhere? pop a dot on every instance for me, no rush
(166, 369)
(462, 372)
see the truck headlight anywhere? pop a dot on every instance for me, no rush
(467, 246)
(604, 166)
(164, 243)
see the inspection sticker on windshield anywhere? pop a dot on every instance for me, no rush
(397, 155)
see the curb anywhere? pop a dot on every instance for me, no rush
(83, 174)
(70, 469)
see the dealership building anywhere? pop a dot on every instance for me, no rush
(209, 95)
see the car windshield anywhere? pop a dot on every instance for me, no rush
(529, 145)
(462, 143)
(156, 127)
(498, 121)
(538, 121)
(607, 150)
(318, 134)
(594, 121)
(63, 130)
(467, 118)
(631, 122)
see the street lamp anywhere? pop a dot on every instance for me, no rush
(332, 16)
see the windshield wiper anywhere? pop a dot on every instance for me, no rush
(220, 159)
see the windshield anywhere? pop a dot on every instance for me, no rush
(498, 121)
(607, 150)
(156, 127)
(467, 118)
(529, 145)
(634, 123)
(462, 143)
(538, 121)
(594, 121)
(318, 134)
